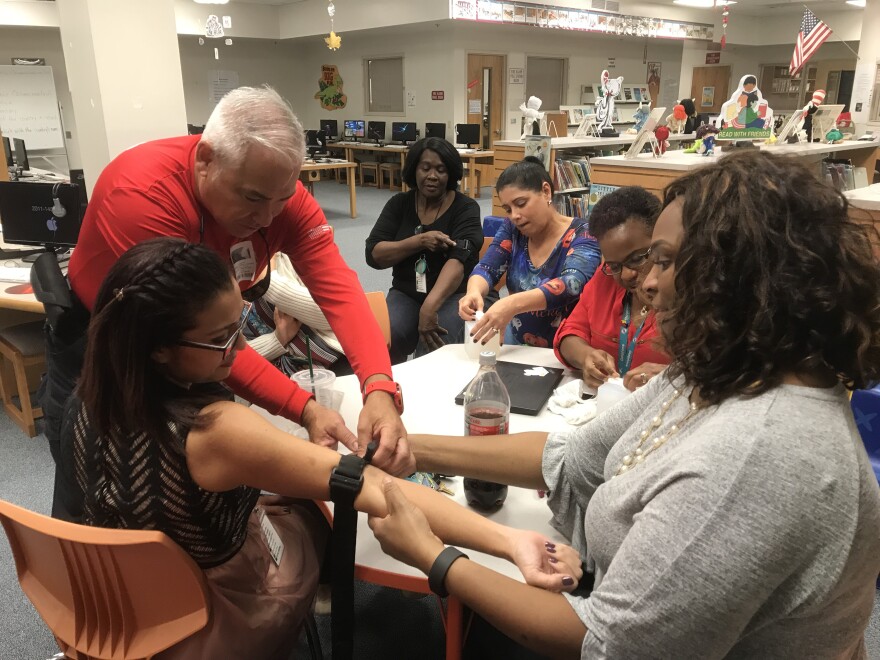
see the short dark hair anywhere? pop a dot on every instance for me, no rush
(443, 148)
(150, 297)
(527, 174)
(772, 277)
(618, 206)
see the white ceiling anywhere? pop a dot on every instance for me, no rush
(265, 2)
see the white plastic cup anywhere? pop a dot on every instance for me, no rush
(321, 386)
(472, 348)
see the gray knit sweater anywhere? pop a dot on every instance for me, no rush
(753, 532)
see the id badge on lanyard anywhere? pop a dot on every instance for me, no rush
(421, 278)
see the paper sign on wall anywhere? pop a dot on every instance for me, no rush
(410, 100)
(515, 76)
(474, 107)
(219, 83)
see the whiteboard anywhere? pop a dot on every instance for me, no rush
(29, 106)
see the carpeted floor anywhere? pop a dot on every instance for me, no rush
(26, 471)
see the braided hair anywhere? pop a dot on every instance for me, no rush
(151, 296)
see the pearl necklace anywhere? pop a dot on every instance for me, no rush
(639, 454)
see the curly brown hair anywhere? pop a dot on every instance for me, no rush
(772, 278)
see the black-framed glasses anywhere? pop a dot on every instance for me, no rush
(226, 348)
(635, 262)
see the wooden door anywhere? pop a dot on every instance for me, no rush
(485, 96)
(710, 83)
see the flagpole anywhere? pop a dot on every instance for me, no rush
(841, 41)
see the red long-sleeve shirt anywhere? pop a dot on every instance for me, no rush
(596, 319)
(149, 191)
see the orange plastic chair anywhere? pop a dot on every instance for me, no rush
(379, 307)
(106, 594)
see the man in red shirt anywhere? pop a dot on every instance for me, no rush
(236, 188)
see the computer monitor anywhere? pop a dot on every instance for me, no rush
(21, 157)
(467, 134)
(42, 214)
(316, 142)
(435, 130)
(330, 128)
(403, 131)
(7, 149)
(79, 178)
(376, 131)
(193, 129)
(353, 128)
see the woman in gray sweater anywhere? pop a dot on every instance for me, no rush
(727, 508)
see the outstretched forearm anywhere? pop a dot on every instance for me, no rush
(538, 619)
(507, 459)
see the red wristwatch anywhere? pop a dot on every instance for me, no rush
(386, 386)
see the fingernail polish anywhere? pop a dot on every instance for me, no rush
(567, 581)
(549, 549)
(550, 544)
(553, 560)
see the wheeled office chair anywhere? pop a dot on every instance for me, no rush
(51, 288)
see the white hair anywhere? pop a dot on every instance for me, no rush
(255, 116)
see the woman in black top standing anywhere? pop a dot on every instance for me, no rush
(431, 236)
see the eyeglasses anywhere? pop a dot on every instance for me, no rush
(635, 262)
(226, 348)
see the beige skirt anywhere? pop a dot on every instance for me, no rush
(258, 608)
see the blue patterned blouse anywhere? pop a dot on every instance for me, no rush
(561, 277)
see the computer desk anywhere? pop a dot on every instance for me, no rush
(471, 157)
(351, 147)
(311, 172)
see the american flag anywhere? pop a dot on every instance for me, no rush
(812, 35)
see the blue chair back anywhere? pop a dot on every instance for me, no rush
(866, 411)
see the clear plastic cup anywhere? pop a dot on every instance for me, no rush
(472, 348)
(321, 386)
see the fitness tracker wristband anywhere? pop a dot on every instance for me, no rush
(440, 567)
(388, 386)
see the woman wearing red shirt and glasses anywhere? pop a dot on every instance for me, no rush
(612, 330)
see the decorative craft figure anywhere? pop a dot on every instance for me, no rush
(605, 103)
(746, 115)
(531, 110)
(677, 119)
(661, 133)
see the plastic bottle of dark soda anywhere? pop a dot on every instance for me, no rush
(486, 412)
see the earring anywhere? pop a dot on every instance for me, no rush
(549, 201)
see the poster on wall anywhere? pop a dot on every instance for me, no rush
(329, 92)
(707, 98)
(653, 79)
(219, 83)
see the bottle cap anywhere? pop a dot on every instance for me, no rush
(487, 357)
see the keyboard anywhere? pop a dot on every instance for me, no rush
(395, 146)
(17, 275)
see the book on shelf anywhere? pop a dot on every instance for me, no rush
(572, 205)
(597, 192)
(572, 173)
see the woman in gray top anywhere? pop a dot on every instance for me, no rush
(727, 508)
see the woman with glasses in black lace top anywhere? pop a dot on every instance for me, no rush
(152, 440)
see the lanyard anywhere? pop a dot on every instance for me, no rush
(625, 348)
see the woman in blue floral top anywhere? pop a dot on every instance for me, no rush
(547, 256)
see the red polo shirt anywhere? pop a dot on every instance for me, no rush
(148, 191)
(596, 319)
